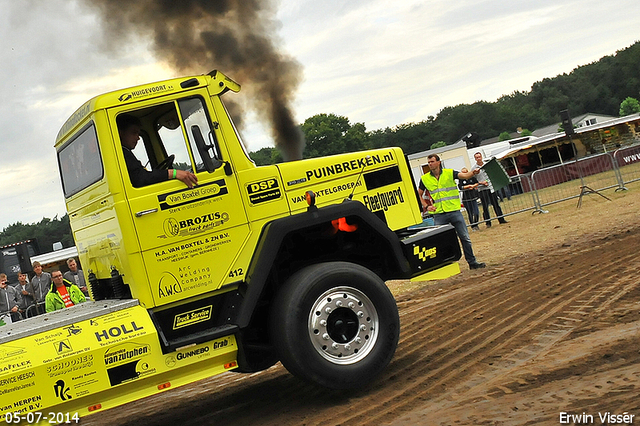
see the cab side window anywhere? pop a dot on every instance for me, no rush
(173, 135)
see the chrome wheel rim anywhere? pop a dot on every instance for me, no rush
(343, 325)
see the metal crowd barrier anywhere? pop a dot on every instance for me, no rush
(567, 181)
(628, 163)
(31, 311)
(8, 315)
(573, 179)
(517, 197)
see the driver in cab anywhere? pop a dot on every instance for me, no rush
(129, 130)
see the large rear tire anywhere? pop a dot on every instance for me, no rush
(335, 324)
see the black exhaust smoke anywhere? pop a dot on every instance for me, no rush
(238, 37)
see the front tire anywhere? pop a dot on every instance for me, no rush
(335, 324)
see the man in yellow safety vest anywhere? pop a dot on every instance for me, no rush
(446, 202)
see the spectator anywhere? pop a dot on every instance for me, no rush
(470, 196)
(9, 299)
(446, 203)
(41, 282)
(63, 293)
(504, 193)
(487, 194)
(76, 276)
(26, 292)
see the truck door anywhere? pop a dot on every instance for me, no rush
(188, 237)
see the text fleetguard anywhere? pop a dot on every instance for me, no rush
(383, 200)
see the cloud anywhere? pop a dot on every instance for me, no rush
(386, 64)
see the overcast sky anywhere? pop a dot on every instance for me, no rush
(378, 62)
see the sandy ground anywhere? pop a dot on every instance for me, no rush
(551, 329)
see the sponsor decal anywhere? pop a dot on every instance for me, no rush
(123, 330)
(195, 352)
(7, 351)
(17, 378)
(23, 406)
(192, 249)
(70, 365)
(72, 330)
(266, 190)
(14, 384)
(186, 279)
(63, 347)
(62, 390)
(170, 361)
(128, 371)
(383, 200)
(297, 181)
(142, 93)
(15, 366)
(192, 317)
(171, 227)
(46, 338)
(220, 344)
(77, 116)
(194, 225)
(168, 285)
(209, 220)
(424, 253)
(125, 353)
(191, 195)
(633, 158)
(348, 166)
(327, 191)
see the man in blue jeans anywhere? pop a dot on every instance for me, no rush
(446, 202)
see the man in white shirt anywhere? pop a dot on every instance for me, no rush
(487, 194)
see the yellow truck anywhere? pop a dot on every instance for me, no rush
(251, 266)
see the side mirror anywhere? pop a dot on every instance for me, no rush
(210, 164)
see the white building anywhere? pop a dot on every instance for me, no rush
(452, 156)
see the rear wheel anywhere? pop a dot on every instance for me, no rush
(335, 324)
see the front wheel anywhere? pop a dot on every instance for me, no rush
(335, 324)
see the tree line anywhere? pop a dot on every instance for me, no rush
(47, 232)
(600, 87)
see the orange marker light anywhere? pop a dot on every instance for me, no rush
(310, 197)
(345, 227)
(164, 386)
(231, 364)
(95, 407)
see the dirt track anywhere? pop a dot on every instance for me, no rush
(515, 344)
